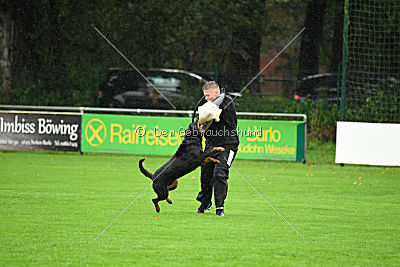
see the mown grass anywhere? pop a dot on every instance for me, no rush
(54, 204)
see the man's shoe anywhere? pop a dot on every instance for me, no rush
(220, 212)
(203, 208)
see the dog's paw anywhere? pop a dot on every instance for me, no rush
(169, 200)
(219, 148)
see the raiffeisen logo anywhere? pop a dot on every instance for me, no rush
(95, 132)
(141, 134)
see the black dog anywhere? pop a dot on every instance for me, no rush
(187, 158)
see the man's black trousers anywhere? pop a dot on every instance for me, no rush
(215, 175)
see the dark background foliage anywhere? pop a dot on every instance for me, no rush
(55, 57)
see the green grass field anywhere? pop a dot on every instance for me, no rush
(54, 204)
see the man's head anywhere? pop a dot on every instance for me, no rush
(211, 91)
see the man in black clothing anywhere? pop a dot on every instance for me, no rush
(222, 134)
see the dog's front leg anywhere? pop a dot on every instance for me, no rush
(209, 159)
(218, 148)
(205, 156)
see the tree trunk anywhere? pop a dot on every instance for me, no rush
(244, 61)
(54, 63)
(337, 41)
(312, 38)
(5, 53)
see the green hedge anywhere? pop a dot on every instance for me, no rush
(321, 116)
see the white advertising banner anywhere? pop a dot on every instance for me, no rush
(368, 143)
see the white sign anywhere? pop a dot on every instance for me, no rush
(368, 143)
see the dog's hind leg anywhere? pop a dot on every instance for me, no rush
(161, 190)
(155, 202)
(173, 185)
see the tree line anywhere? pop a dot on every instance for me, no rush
(51, 55)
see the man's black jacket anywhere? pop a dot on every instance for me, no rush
(224, 132)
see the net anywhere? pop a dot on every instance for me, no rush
(371, 61)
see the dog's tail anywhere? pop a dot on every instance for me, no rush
(144, 171)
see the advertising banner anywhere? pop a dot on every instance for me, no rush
(30, 131)
(154, 135)
(272, 140)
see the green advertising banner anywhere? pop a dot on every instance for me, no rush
(272, 140)
(153, 135)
